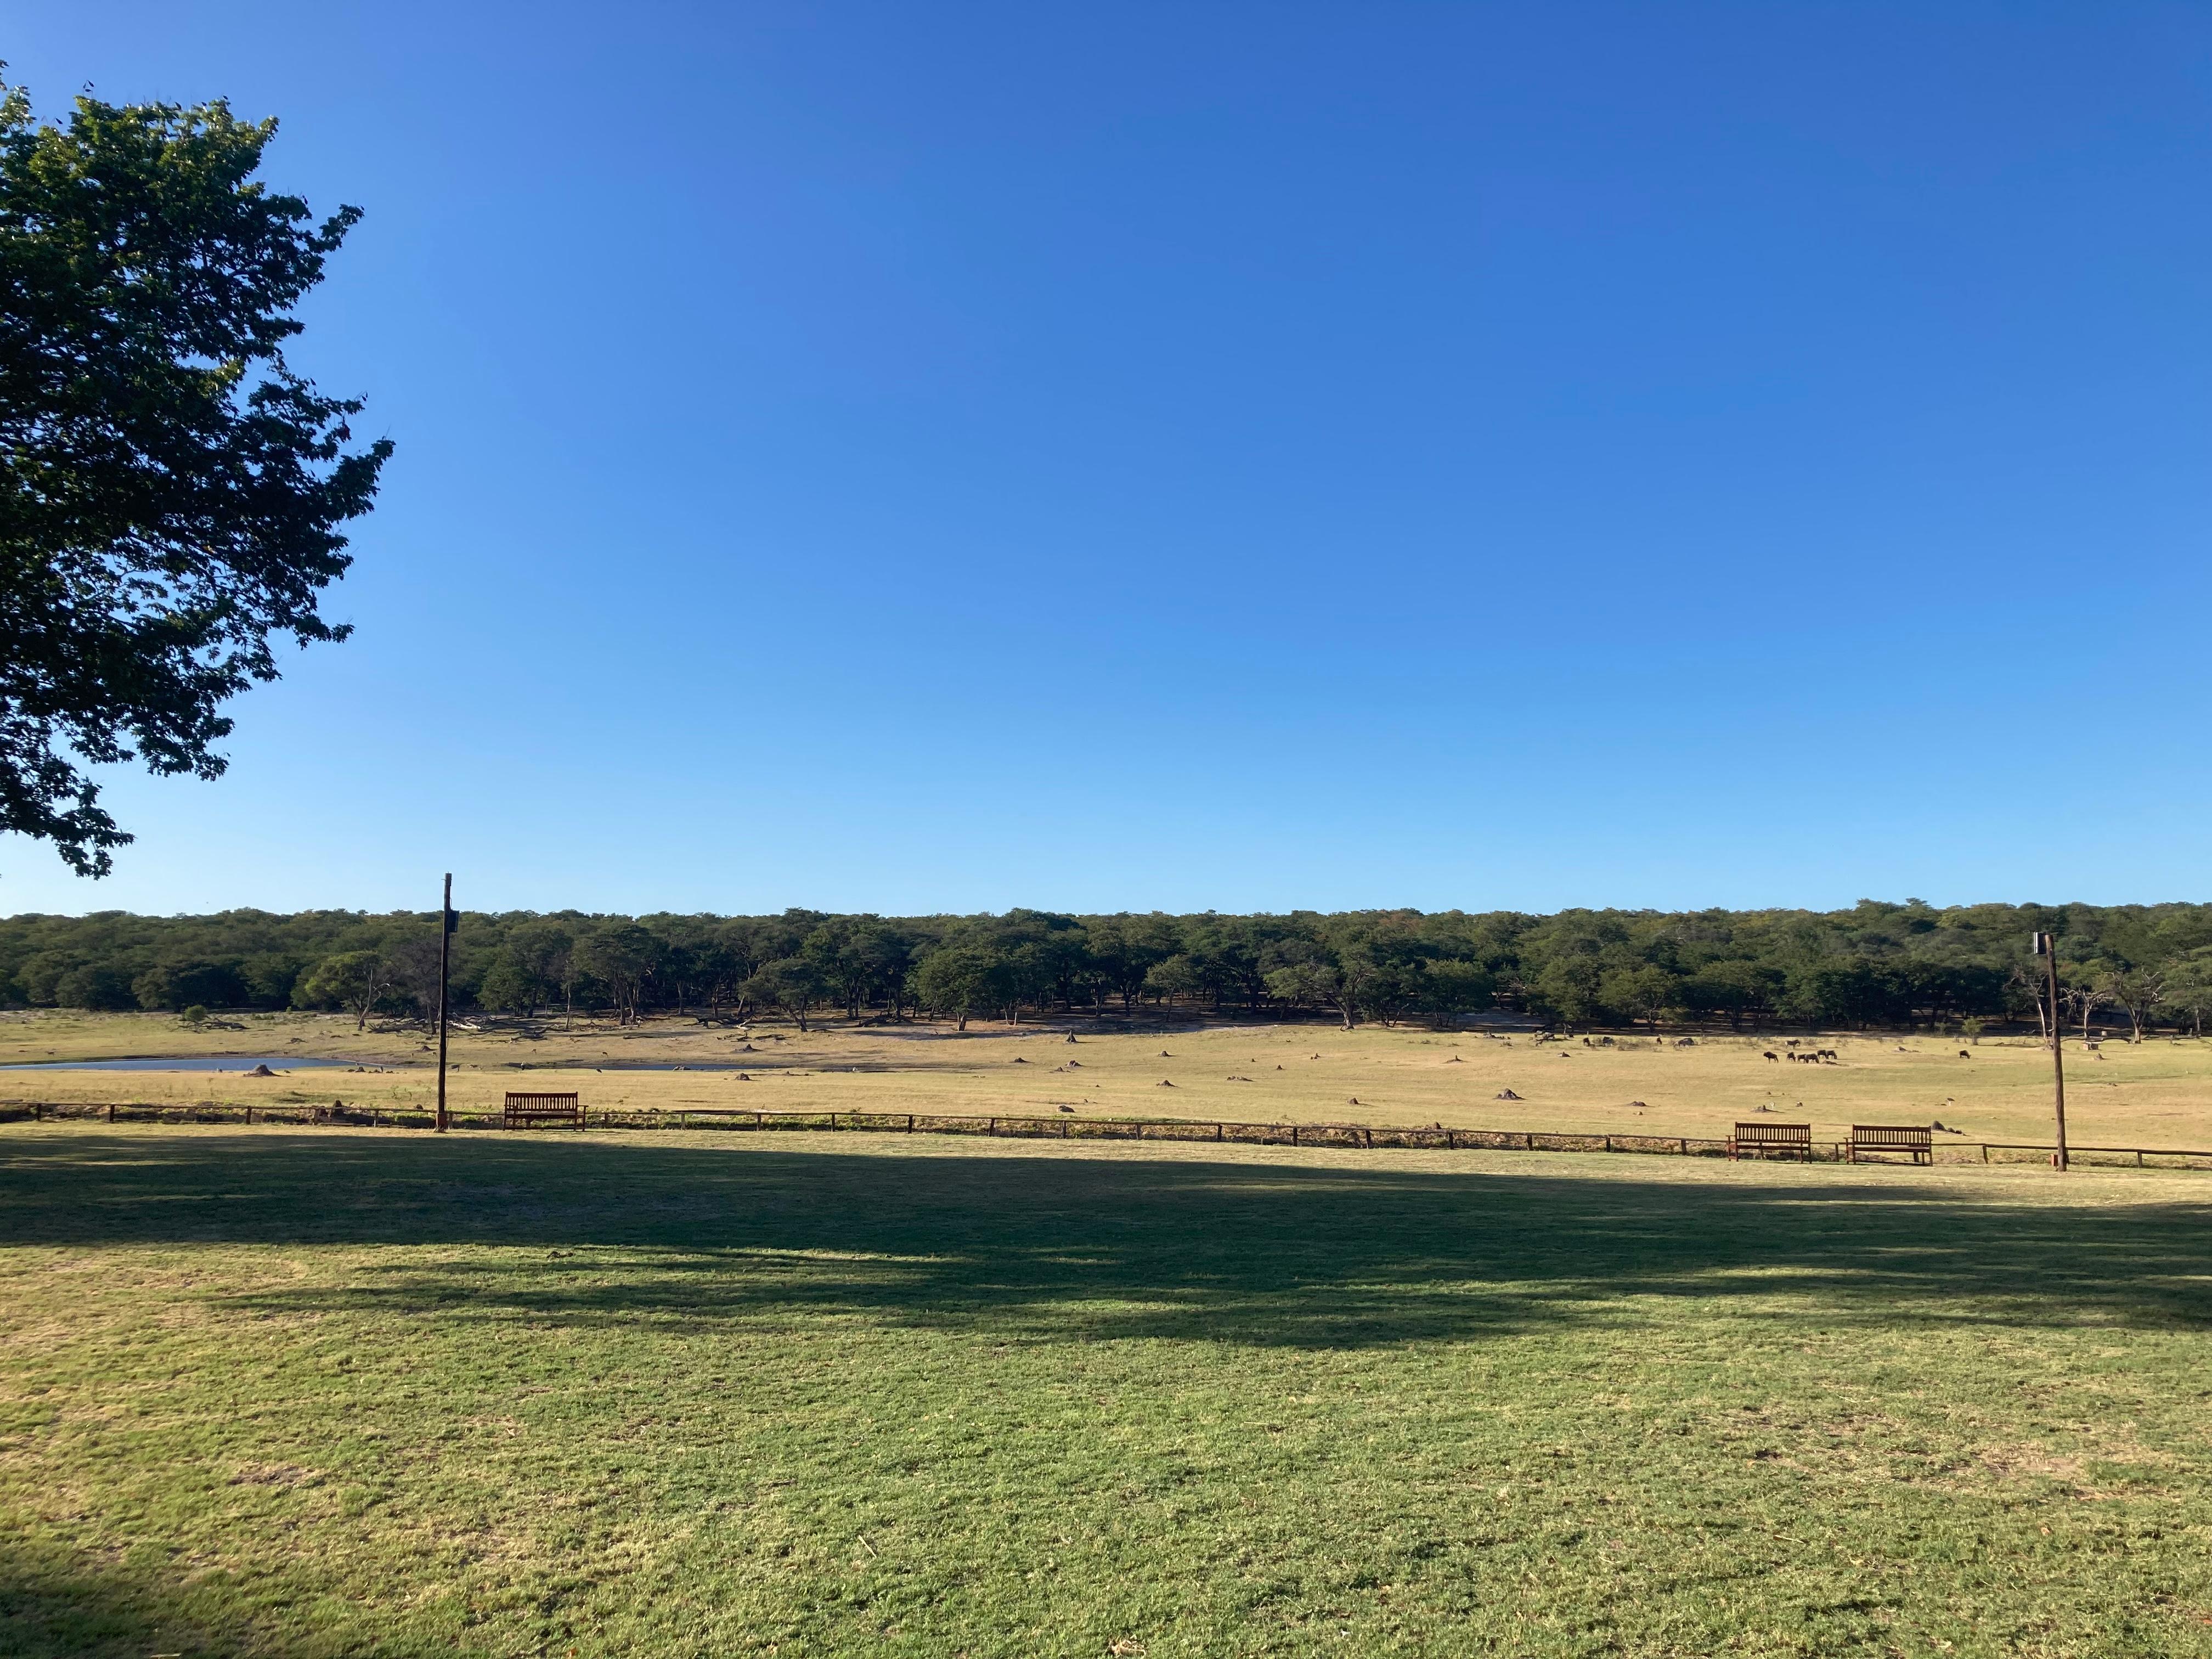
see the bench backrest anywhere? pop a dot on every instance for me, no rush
(1783, 1134)
(1892, 1134)
(541, 1103)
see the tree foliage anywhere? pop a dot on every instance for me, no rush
(1874, 965)
(171, 491)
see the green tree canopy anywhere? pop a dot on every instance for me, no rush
(171, 492)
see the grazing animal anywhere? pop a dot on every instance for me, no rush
(1964, 1055)
(1352, 1101)
(1074, 1064)
(1686, 1043)
(1770, 1054)
(1830, 1053)
(1507, 1094)
(1068, 1108)
(1071, 1037)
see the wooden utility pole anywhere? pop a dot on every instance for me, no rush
(2047, 948)
(445, 977)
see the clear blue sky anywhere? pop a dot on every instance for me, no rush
(917, 458)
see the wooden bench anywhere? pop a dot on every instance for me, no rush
(529, 1111)
(1919, 1143)
(1762, 1140)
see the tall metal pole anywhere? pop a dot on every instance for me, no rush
(2047, 948)
(444, 972)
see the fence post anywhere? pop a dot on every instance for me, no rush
(1451, 1140)
(1608, 1143)
(1986, 1151)
(1217, 1132)
(1294, 1134)
(909, 1122)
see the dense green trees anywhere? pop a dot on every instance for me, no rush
(1877, 964)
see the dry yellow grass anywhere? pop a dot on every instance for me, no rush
(2156, 1094)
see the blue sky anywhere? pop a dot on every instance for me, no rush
(919, 458)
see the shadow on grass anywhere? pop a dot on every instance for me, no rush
(1352, 1254)
(50, 1605)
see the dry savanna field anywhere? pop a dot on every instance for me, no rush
(2157, 1093)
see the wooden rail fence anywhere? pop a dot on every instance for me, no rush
(1361, 1136)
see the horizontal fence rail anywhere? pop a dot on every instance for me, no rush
(1361, 1136)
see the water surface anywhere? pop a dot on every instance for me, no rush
(186, 1063)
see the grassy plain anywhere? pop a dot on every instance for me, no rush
(332, 1392)
(2157, 1093)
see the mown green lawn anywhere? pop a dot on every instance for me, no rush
(331, 1392)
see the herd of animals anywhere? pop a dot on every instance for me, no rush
(1790, 1052)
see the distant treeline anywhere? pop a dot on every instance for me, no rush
(1875, 965)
